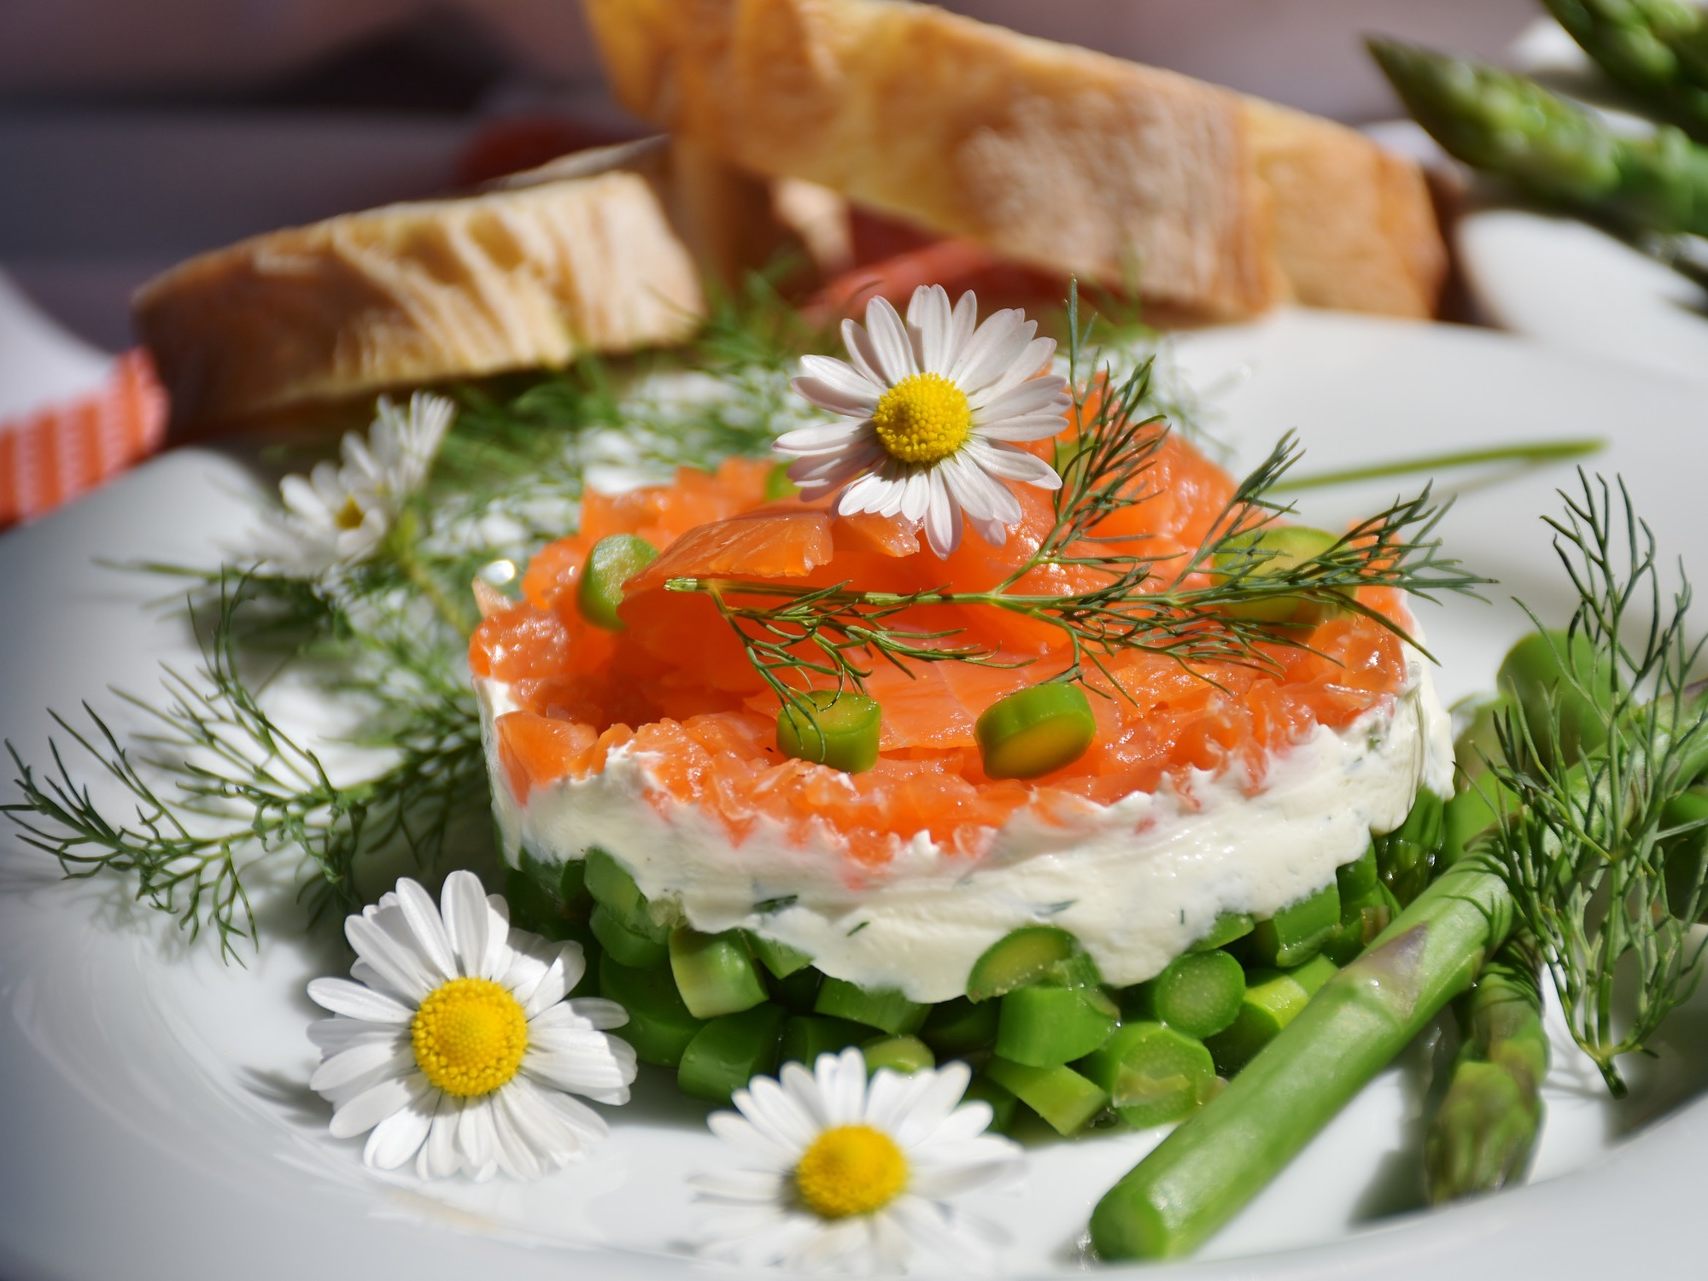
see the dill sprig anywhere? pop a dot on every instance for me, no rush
(1605, 880)
(217, 794)
(215, 783)
(1185, 607)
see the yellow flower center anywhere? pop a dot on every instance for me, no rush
(923, 419)
(852, 1169)
(469, 1036)
(349, 516)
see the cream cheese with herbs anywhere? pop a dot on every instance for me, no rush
(1136, 881)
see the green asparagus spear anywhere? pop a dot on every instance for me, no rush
(1508, 125)
(1222, 1155)
(1485, 1130)
(1656, 50)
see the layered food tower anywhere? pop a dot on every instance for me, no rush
(1106, 893)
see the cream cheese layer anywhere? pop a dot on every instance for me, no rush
(1136, 881)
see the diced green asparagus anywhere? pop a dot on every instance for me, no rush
(1485, 1130)
(1507, 125)
(781, 959)
(1003, 1104)
(714, 973)
(622, 944)
(729, 1052)
(1155, 1075)
(1065, 1099)
(838, 728)
(614, 560)
(887, 1011)
(1199, 994)
(806, 1036)
(1272, 1000)
(799, 992)
(1227, 928)
(1406, 857)
(660, 1026)
(614, 889)
(1356, 879)
(1047, 1026)
(960, 1027)
(1029, 955)
(1296, 933)
(898, 1053)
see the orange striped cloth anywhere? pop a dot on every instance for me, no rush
(53, 454)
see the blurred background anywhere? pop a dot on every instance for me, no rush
(135, 134)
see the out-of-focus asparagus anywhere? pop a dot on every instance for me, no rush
(1485, 1130)
(1508, 125)
(1657, 50)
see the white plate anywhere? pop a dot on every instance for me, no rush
(1568, 282)
(155, 1120)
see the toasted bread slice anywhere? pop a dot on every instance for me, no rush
(1053, 156)
(602, 252)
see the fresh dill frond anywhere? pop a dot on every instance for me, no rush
(214, 783)
(1605, 879)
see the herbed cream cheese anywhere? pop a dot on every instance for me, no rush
(1136, 881)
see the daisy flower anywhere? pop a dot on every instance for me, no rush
(340, 513)
(937, 406)
(455, 1046)
(848, 1174)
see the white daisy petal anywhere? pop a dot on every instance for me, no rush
(404, 971)
(357, 1002)
(761, 1144)
(389, 1057)
(331, 1036)
(1035, 357)
(841, 1082)
(477, 1138)
(400, 1136)
(1029, 427)
(582, 1120)
(438, 1158)
(597, 1012)
(929, 317)
(867, 494)
(916, 494)
(829, 396)
(889, 341)
(821, 439)
(1013, 464)
(840, 375)
(1033, 396)
(469, 923)
(370, 1107)
(741, 1185)
(942, 518)
(862, 356)
(934, 1104)
(963, 321)
(777, 1111)
(428, 927)
(986, 501)
(998, 341)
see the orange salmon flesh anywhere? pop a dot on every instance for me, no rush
(677, 685)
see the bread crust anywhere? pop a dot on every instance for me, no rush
(597, 257)
(1054, 156)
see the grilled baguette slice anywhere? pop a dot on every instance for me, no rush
(602, 252)
(1051, 155)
